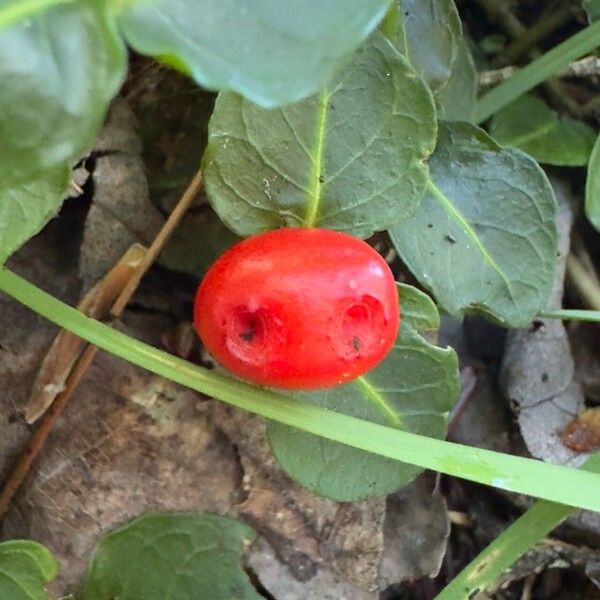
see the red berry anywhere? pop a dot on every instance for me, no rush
(298, 308)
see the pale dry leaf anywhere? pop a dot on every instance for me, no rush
(67, 347)
(538, 370)
(415, 533)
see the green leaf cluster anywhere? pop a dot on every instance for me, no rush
(61, 63)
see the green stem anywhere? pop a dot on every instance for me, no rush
(564, 314)
(511, 473)
(18, 11)
(538, 70)
(510, 545)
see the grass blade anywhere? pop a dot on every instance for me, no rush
(510, 545)
(511, 473)
(538, 70)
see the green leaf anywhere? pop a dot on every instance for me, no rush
(418, 309)
(350, 158)
(592, 7)
(182, 556)
(430, 37)
(457, 101)
(412, 389)
(484, 236)
(271, 52)
(27, 206)
(528, 124)
(59, 70)
(25, 569)
(592, 187)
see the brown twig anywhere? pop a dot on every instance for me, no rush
(39, 437)
(553, 19)
(157, 245)
(586, 67)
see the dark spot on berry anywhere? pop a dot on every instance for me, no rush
(430, 225)
(450, 238)
(356, 343)
(544, 377)
(248, 335)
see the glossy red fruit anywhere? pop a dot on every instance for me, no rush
(298, 308)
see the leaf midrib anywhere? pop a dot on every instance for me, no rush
(468, 229)
(316, 170)
(379, 400)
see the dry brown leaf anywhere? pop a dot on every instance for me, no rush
(66, 347)
(582, 434)
(416, 532)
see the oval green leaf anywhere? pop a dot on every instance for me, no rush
(483, 238)
(27, 206)
(528, 124)
(184, 556)
(592, 187)
(412, 389)
(417, 308)
(269, 51)
(429, 35)
(25, 569)
(349, 158)
(457, 100)
(59, 70)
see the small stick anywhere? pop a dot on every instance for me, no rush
(157, 245)
(585, 67)
(39, 437)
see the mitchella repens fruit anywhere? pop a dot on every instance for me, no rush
(298, 308)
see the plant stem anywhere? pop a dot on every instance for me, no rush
(510, 473)
(565, 314)
(553, 19)
(538, 70)
(510, 545)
